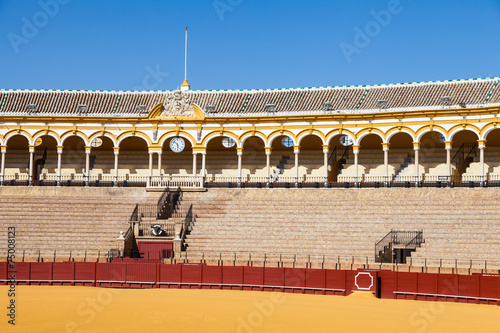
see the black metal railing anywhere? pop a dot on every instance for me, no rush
(383, 248)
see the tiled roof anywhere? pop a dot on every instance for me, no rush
(350, 99)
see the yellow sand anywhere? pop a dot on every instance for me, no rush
(86, 309)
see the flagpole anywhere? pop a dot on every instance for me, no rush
(185, 56)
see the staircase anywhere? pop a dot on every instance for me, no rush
(397, 245)
(280, 168)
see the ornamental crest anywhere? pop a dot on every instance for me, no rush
(177, 105)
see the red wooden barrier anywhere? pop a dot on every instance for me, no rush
(364, 281)
(3, 273)
(63, 273)
(232, 277)
(315, 281)
(478, 288)
(427, 285)
(85, 273)
(335, 282)
(170, 276)
(41, 273)
(211, 275)
(489, 287)
(191, 275)
(387, 284)
(253, 278)
(295, 279)
(23, 272)
(468, 286)
(141, 275)
(111, 275)
(274, 278)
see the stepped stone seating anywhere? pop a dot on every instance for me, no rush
(311, 164)
(67, 219)
(457, 224)
(371, 164)
(491, 164)
(432, 164)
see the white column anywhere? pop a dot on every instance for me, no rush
(194, 166)
(385, 147)
(150, 168)
(355, 151)
(416, 148)
(296, 150)
(87, 164)
(117, 152)
(59, 164)
(240, 154)
(30, 169)
(448, 157)
(2, 171)
(159, 164)
(326, 150)
(203, 167)
(268, 164)
(482, 147)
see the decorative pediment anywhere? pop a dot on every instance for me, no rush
(177, 106)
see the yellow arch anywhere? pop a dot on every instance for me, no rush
(49, 133)
(487, 129)
(77, 133)
(186, 135)
(106, 134)
(330, 135)
(249, 134)
(306, 133)
(428, 128)
(367, 131)
(131, 134)
(13, 133)
(277, 133)
(218, 133)
(458, 128)
(402, 129)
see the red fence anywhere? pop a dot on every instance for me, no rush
(481, 288)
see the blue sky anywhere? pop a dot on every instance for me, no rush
(244, 44)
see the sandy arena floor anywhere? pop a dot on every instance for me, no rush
(87, 309)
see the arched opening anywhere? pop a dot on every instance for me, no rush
(340, 153)
(311, 159)
(282, 159)
(371, 158)
(401, 157)
(133, 158)
(17, 158)
(102, 158)
(45, 158)
(254, 164)
(73, 158)
(221, 159)
(432, 156)
(491, 156)
(177, 157)
(465, 154)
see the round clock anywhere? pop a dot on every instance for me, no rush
(287, 142)
(177, 144)
(228, 142)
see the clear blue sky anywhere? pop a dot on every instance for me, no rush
(244, 44)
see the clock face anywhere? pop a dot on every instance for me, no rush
(228, 142)
(177, 144)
